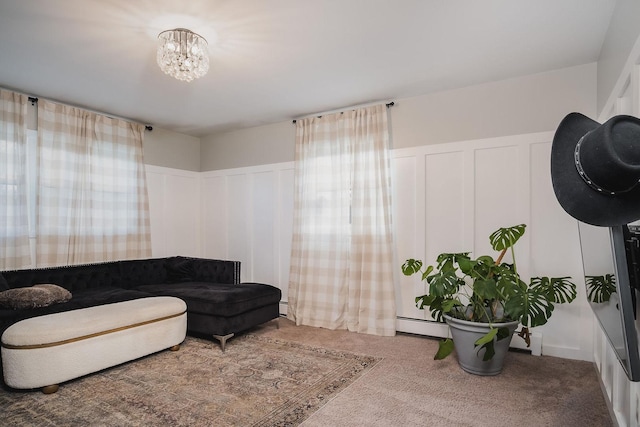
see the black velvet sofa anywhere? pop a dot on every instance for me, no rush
(218, 304)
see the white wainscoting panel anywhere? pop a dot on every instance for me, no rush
(214, 217)
(156, 193)
(447, 202)
(283, 228)
(556, 238)
(174, 204)
(264, 210)
(251, 220)
(238, 224)
(447, 197)
(408, 218)
(497, 195)
(450, 197)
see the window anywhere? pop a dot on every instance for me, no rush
(74, 190)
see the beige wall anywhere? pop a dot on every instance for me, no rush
(161, 147)
(621, 37)
(259, 145)
(171, 149)
(534, 103)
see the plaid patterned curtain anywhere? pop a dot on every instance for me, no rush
(14, 227)
(92, 193)
(342, 251)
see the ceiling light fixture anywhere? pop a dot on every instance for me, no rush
(183, 54)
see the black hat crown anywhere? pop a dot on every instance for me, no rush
(595, 169)
(608, 158)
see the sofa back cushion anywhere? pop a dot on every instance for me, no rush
(127, 274)
(186, 269)
(142, 272)
(74, 277)
(180, 269)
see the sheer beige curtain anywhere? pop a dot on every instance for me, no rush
(14, 226)
(342, 250)
(92, 194)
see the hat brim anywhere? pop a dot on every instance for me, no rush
(574, 195)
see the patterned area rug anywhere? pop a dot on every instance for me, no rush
(258, 381)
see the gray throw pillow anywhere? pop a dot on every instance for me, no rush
(33, 297)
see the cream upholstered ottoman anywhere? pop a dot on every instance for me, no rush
(45, 351)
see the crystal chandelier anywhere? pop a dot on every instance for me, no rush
(183, 54)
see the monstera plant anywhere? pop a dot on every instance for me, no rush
(488, 291)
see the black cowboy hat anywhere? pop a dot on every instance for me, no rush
(595, 169)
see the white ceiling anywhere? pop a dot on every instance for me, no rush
(274, 60)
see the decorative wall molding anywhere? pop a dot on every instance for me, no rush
(174, 204)
(447, 197)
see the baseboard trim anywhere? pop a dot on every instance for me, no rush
(440, 330)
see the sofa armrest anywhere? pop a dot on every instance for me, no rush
(217, 271)
(184, 269)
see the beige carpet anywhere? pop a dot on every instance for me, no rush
(409, 388)
(258, 381)
(398, 385)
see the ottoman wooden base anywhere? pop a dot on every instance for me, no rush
(47, 350)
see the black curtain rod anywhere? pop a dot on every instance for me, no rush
(33, 101)
(389, 105)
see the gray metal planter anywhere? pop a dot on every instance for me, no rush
(465, 334)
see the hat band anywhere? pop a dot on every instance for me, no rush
(585, 177)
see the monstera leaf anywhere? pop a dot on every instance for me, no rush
(528, 306)
(556, 289)
(448, 261)
(411, 266)
(504, 238)
(444, 283)
(600, 288)
(445, 348)
(437, 305)
(485, 289)
(488, 340)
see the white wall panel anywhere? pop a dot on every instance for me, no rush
(250, 220)
(438, 224)
(174, 203)
(263, 217)
(238, 226)
(408, 218)
(555, 251)
(496, 194)
(214, 217)
(156, 193)
(284, 229)
(182, 210)
(445, 205)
